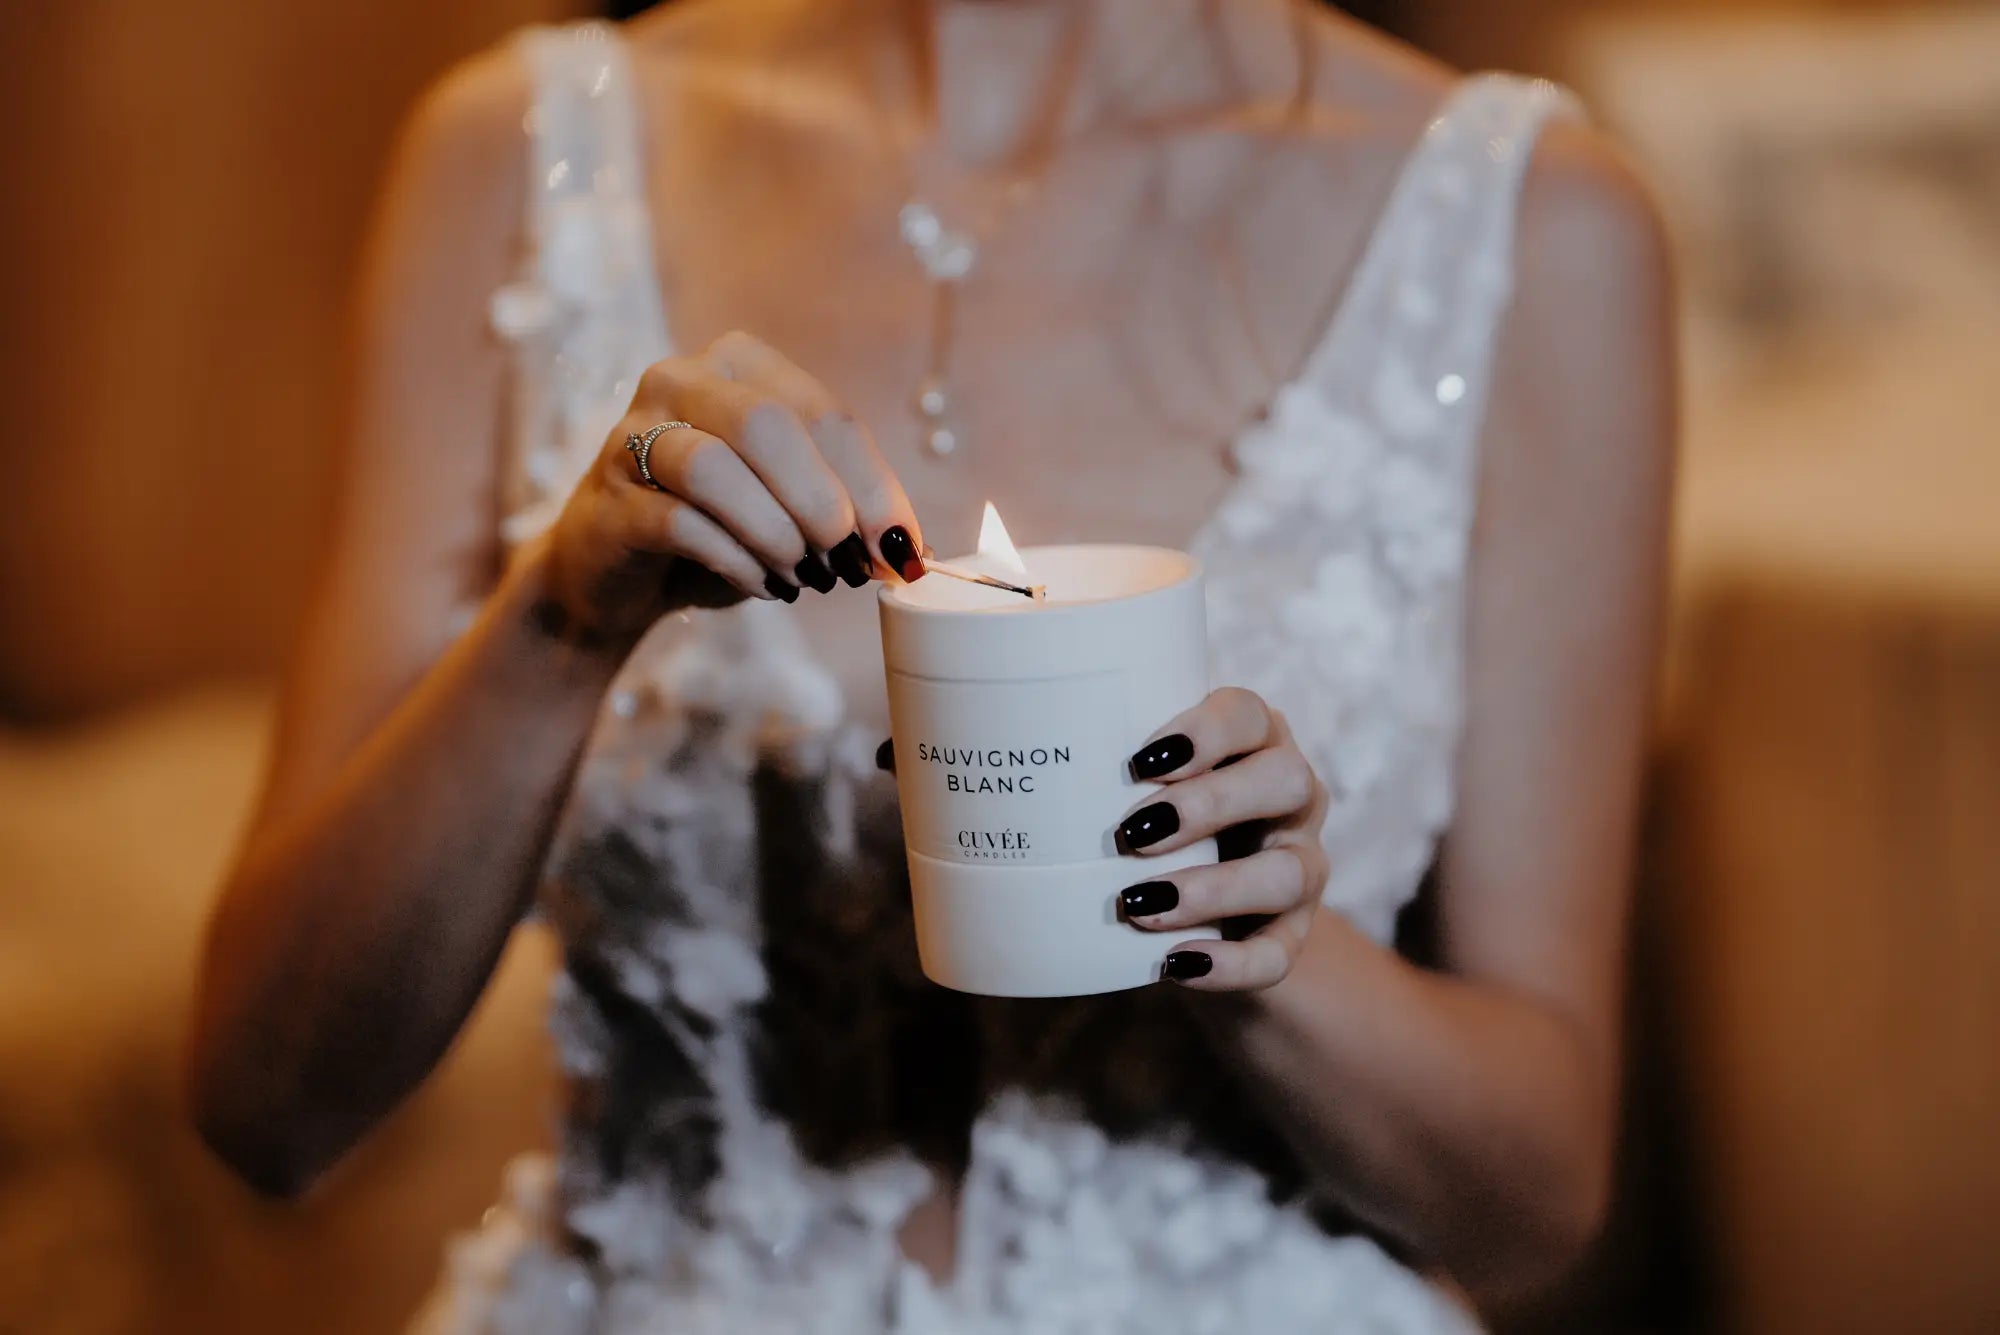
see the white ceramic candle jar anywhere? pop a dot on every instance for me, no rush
(1014, 723)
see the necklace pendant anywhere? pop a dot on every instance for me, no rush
(946, 256)
(945, 253)
(933, 404)
(920, 225)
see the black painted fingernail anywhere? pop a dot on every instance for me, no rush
(885, 755)
(1148, 825)
(1157, 759)
(781, 588)
(850, 560)
(1185, 964)
(812, 573)
(1151, 899)
(900, 554)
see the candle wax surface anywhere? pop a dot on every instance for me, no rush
(1073, 576)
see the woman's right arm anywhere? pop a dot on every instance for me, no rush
(413, 778)
(417, 777)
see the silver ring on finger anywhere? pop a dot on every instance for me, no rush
(640, 443)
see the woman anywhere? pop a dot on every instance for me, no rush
(1236, 275)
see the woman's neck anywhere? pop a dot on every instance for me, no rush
(999, 81)
(992, 83)
(1000, 77)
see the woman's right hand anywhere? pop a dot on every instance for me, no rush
(772, 487)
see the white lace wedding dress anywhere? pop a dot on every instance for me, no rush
(755, 1092)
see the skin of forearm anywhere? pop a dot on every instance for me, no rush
(1468, 1123)
(357, 934)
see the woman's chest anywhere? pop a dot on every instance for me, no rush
(1080, 412)
(1072, 369)
(1129, 310)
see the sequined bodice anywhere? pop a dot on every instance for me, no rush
(761, 1073)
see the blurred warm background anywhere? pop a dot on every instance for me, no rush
(1814, 1119)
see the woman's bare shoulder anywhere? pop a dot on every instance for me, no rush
(1583, 197)
(1582, 189)
(1580, 186)
(479, 100)
(1591, 239)
(1585, 207)
(470, 116)
(462, 148)
(1587, 397)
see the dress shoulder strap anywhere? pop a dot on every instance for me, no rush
(1337, 566)
(1413, 340)
(586, 314)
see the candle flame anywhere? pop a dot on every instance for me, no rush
(996, 548)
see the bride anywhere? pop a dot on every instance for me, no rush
(1388, 349)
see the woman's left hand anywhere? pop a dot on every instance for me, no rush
(1231, 769)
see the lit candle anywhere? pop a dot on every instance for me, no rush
(1014, 721)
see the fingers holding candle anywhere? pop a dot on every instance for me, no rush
(1230, 722)
(1262, 959)
(1230, 767)
(1275, 784)
(1271, 882)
